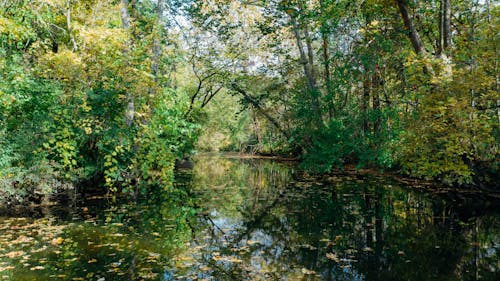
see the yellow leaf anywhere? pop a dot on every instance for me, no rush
(57, 241)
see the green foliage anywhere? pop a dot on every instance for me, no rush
(331, 82)
(342, 142)
(454, 137)
(168, 136)
(345, 85)
(66, 87)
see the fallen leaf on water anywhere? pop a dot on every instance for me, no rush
(217, 258)
(234, 259)
(92, 261)
(184, 258)
(307, 271)
(43, 248)
(57, 241)
(333, 257)
(38, 267)
(350, 251)
(367, 249)
(21, 239)
(14, 254)
(310, 247)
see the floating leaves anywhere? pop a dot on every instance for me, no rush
(232, 259)
(38, 267)
(57, 241)
(14, 254)
(6, 268)
(308, 271)
(367, 249)
(332, 257)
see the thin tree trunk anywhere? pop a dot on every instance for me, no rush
(413, 34)
(156, 42)
(311, 81)
(366, 100)
(326, 62)
(445, 38)
(376, 101)
(256, 126)
(125, 18)
(68, 25)
(307, 61)
(310, 53)
(446, 24)
(415, 39)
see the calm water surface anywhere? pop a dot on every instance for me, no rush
(258, 220)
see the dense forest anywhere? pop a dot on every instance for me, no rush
(114, 92)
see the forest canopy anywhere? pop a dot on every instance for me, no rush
(114, 92)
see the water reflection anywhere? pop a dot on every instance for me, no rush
(259, 220)
(262, 224)
(99, 240)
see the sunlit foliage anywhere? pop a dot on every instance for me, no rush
(80, 101)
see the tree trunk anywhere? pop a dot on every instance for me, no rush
(415, 39)
(446, 24)
(125, 18)
(256, 127)
(156, 42)
(307, 61)
(366, 100)
(68, 25)
(413, 34)
(311, 81)
(328, 83)
(445, 38)
(376, 82)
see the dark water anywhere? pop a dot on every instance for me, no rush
(245, 219)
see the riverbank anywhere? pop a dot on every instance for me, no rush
(351, 170)
(95, 189)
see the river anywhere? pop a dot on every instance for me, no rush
(257, 219)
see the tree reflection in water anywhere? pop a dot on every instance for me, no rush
(262, 224)
(259, 220)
